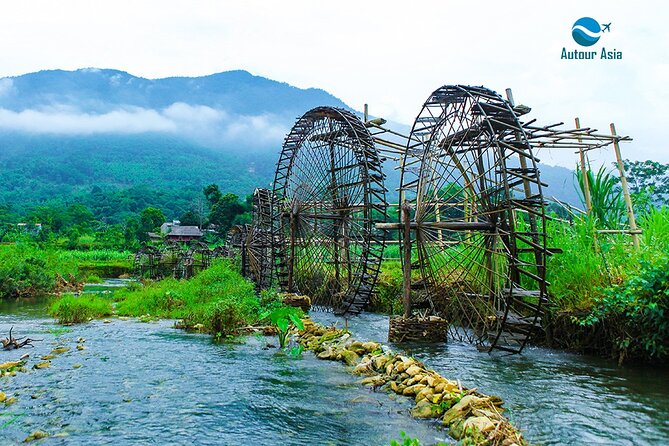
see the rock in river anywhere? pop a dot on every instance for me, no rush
(60, 349)
(349, 357)
(37, 435)
(424, 409)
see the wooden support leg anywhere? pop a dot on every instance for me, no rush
(406, 267)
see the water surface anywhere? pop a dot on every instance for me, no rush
(555, 397)
(148, 383)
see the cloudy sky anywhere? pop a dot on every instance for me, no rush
(388, 54)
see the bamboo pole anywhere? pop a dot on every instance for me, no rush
(406, 267)
(626, 190)
(437, 216)
(584, 173)
(619, 231)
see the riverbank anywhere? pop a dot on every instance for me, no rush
(606, 298)
(28, 270)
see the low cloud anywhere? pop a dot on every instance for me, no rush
(206, 125)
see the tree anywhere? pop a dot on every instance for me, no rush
(132, 233)
(151, 219)
(213, 194)
(224, 211)
(54, 217)
(81, 216)
(648, 179)
(189, 218)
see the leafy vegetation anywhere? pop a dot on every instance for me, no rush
(405, 440)
(606, 197)
(26, 269)
(649, 178)
(284, 318)
(606, 284)
(219, 299)
(636, 312)
(72, 309)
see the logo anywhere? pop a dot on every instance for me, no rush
(586, 31)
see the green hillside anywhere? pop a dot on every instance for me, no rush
(117, 175)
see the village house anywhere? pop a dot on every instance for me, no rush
(174, 232)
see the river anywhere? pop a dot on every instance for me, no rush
(148, 383)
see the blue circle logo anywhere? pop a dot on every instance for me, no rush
(586, 31)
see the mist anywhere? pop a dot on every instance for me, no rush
(208, 126)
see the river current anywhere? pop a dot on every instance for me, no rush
(148, 383)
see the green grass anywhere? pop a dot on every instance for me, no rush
(27, 269)
(96, 255)
(219, 298)
(591, 263)
(71, 309)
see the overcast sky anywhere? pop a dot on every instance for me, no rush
(389, 54)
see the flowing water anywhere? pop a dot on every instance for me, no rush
(148, 383)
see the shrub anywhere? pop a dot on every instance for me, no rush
(71, 309)
(219, 298)
(224, 316)
(637, 312)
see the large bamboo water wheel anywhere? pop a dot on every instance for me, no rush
(328, 193)
(477, 216)
(252, 243)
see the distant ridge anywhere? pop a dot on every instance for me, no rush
(99, 90)
(66, 133)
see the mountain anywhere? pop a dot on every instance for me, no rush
(94, 136)
(97, 90)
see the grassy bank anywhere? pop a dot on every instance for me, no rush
(608, 297)
(77, 309)
(100, 262)
(219, 299)
(27, 269)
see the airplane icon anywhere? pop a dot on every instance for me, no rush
(606, 27)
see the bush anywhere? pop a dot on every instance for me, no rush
(71, 309)
(637, 313)
(219, 298)
(25, 277)
(225, 315)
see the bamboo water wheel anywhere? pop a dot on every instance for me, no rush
(477, 216)
(236, 246)
(328, 194)
(258, 243)
(146, 262)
